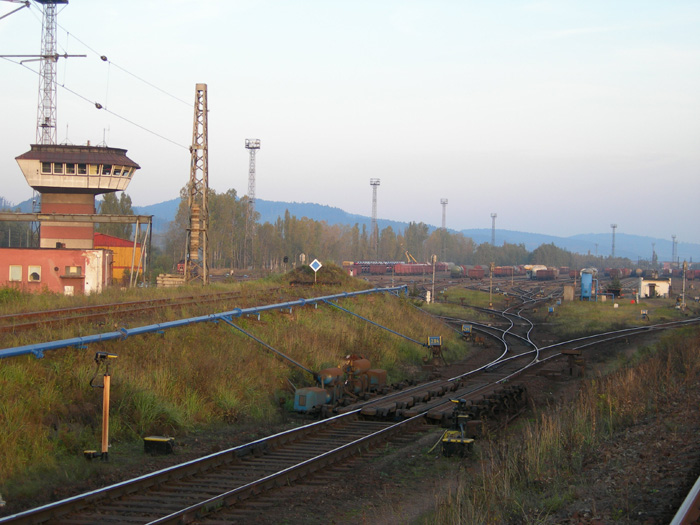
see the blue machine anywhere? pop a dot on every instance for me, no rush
(586, 284)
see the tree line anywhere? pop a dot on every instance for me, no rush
(280, 245)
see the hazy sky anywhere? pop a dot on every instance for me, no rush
(560, 116)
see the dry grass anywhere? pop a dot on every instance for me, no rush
(189, 379)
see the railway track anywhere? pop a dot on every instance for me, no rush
(216, 485)
(22, 322)
(222, 487)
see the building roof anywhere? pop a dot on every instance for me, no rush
(102, 239)
(71, 154)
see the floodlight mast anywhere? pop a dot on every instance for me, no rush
(614, 227)
(493, 229)
(374, 236)
(444, 213)
(252, 145)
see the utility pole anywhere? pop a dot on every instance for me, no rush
(374, 235)
(196, 257)
(493, 229)
(614, 227)
(251, 145)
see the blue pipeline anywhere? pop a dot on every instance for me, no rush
(38, 349)
(327, 301)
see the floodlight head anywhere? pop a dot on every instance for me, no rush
(252, 143)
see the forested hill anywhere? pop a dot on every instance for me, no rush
(626, 245)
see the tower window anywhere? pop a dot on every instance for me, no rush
(82, 169)
(45, 167)
(107, 169)
(70, 169)
(58, 168)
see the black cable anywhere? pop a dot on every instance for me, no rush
(100, 106)
(105, 59)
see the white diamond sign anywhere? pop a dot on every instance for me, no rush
(315, 265)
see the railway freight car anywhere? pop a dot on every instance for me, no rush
(476, 273)
(503, 271)
(548, 274)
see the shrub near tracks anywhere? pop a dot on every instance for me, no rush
(185, 380)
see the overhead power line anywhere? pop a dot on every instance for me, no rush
(97, 105)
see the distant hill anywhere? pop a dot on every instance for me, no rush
(626, 245)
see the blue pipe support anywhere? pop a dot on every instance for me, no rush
(375, 324)
(38, 349)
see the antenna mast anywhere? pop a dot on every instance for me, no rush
(374, 236)
(196, 258)
(251, 145)
(46, 113)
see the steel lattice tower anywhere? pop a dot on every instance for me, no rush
(614, 227)
(196, 258)
(674, 249)
(493, 229)
(444, 213)
(46, 113)
(252, 145)
(374, 236)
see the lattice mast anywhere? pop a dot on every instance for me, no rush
(614, 227)
(46, 112)
(444, 213)
(674, 250)
(252, 145)
(374, 235)
(493, 229)
(196, 258)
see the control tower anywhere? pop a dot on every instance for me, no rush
(68, 178)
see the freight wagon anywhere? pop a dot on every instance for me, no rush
(546, 275)
(503, 271)
(475, 273)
